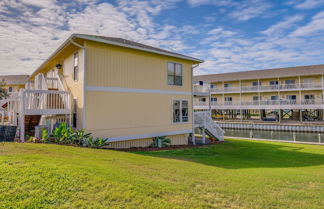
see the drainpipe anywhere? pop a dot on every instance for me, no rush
(84, 83)
(192, 101)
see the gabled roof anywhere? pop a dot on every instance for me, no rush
(117, 42)
(14, 79)
(263, 74)
(134, 45)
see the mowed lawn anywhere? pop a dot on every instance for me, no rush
(235, 174)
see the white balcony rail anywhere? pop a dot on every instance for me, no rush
(45, 102)
(201, 89)
(269, 102)
(203, 119)
(52, 83)
(296, 86)
(200, 103)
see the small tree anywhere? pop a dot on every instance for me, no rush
(3, 92)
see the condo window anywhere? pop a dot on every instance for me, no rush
(213, 99)
(256, 83)
(174, 74)
(180, 111)
(289, 82)
(10, 89)
(273, 83)
(274, 98)
(202, 99)
(226, 85)
(309, 97)
(76, 66)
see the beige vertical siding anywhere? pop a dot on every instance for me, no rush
(117, 114)
(121, 67)
(113, 114)
(75, 87)
(181, 139)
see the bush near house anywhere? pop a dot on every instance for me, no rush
(67, 135)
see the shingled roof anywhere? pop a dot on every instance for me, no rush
(134, 45)
(14, 79)
(262, 74)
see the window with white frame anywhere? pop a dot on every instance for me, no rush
(227, 85)
(180, 111)
(213, 99)
(76, 66)
(174, 74)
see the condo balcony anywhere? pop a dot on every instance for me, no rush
(262, 104)
(269, 88)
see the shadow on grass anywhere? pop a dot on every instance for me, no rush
(237, 154)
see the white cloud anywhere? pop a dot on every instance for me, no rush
(307, 4)
(280, 27)
(315, 27)
(30, 37)
(250, 9)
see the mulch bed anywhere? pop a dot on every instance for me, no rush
(172, 147)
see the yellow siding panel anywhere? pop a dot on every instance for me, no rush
(127, 68)
(114, 114)
(181, 139)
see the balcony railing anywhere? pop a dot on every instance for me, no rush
(296, 86)
(45, 102)
(269, 102)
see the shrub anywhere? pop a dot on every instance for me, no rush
(66, 135)
(161, 141)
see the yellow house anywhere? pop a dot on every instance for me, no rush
(114, 88)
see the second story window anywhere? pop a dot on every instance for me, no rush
(174, 74)
(227, 85)
(76, 67)
(213, 99)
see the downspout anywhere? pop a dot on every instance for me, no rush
(84, 82)
(192, 102)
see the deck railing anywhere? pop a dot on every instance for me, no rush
(45, 102)
(297, 86)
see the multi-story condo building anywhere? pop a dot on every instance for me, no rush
(113, 88)
(283, 94)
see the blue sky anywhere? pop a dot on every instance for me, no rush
(230, 35)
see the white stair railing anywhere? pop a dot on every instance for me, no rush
(203, 119)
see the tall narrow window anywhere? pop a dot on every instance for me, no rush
(174, 74)
(180, 111)
(75, 111)
(176, 111)
(184, 111)
(76, 67)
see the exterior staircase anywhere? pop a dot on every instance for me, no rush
(31, 121)
(203, 120)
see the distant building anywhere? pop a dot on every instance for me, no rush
(14, 82)
(283, 94)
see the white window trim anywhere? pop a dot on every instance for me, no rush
(167, 73)
(181, 122)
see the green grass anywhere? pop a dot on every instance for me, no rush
(236, 174)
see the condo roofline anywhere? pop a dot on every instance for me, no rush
(307, 70)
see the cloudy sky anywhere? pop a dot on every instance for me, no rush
(230, 35)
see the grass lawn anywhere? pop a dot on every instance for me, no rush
(236, 174)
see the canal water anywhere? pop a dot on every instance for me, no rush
(276, 135)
